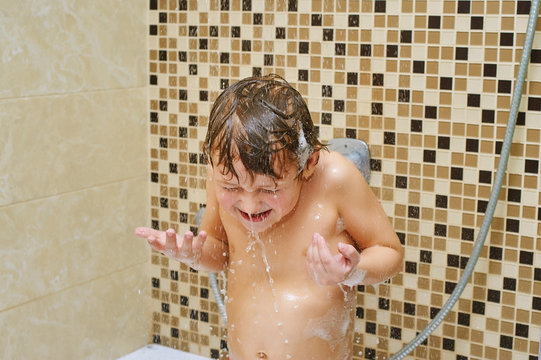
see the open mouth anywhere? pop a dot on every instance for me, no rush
(255, 217)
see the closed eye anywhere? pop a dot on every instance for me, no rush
(231, 189)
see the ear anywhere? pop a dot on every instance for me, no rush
(310, 165)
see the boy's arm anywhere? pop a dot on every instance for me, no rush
(368, 225)
(208, 251)
(215, 255)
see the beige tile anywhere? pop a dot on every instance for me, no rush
(51, 145)
(51, 244)
(101, 319)
(69, 46)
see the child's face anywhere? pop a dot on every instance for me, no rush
(260, 202)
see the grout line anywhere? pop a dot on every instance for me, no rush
(38, 298)
(14, 98)
(72, 191)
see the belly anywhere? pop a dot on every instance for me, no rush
(289, 321)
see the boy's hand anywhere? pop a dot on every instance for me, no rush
(187, 250)
(328, 269)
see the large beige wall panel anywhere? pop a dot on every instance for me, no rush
(56, 46)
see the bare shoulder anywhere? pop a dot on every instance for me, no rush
(336, 171)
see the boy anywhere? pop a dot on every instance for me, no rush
(295, 226)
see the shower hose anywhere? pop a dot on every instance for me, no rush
(487, 219)
(489, 213)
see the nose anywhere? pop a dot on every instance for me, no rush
(249, 203)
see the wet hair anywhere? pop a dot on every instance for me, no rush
(263, 121)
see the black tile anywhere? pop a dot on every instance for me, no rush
(444, 142)
(316, 19)
(504, 86)
(506, 342)
(523, 7)
(280, 33)
(328, 34)
(340, 49)
(401, 182)
(353, 20)
(383, 304)
(476, 23)
(409, 308)
(526, 257)
(478, 307)
(429, 156)
(495, 253)
(474, 100)
(257, 19)
(493, 295)
(352, 78)
(487, 116)
(472, 145)
(304, 47)
(522, 330)
(246, 5)
(453, 260)
(446, 83)
(441, 201)
(403, 95)
(485, 176)
(392, 51)
(303, 75)
(467, 234)
(418, 67)
(512, 225)
(292, 5)
(531, 166)
(535, 56)
(380, 6)
(377, 109)
(413, 212)
(434, 22)
(448, 344)
(377, 79)
(366, 50)
(506, 39)
(461, 53)
(431, 112)
(513, 194)
(416, 125)
(457, 173)
(490, 70)
(411, 267)
(440, 230)
(463, 7)
(534, 103)
(509, 284)
(425, 256)
(406, 36)
(389, 138)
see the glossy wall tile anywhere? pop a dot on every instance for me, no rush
(428, 85)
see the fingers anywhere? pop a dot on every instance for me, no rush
(145, 232)
(197, 244)
(349, 252)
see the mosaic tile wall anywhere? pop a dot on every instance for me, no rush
(428, 85)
